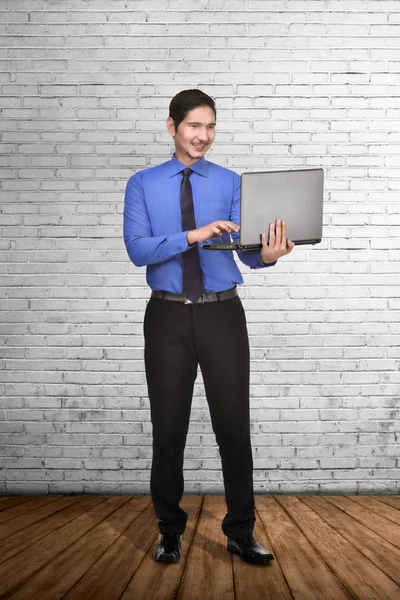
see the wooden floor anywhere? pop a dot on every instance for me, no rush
(100, 548)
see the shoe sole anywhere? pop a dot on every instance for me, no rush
(254, 559)
(166, 559)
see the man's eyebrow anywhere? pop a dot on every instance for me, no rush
(198, 123)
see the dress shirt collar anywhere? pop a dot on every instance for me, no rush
(175, 166)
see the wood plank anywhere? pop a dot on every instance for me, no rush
(360, 576)
(20, 567)
(386, 499)
(21, 509)
(11, 527)
(306, 573)
(380, 525)
(388, 512)
(253, 582)
(100, 548)
(383, 554)
(161, 580)
(208, 571)
(32, 534)
(55, 579)
(2, 498)
(15, 501)
(109, 576)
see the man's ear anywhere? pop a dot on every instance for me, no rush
(171, 127)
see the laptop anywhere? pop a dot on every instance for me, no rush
(294, 196)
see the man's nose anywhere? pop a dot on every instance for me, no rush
(202, 135)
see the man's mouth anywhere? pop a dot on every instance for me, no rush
(199, 146)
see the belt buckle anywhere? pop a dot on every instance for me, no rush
(200, 300)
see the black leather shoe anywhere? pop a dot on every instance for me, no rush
(168, 547)
(249, 549)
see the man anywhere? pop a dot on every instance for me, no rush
(195, 317)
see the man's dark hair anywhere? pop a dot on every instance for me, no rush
(186, 101)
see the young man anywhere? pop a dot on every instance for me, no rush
(195, 317)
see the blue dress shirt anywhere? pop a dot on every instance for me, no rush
(152, 227)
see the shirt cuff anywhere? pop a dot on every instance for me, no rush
(261, 264)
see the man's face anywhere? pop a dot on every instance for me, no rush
(194, 135)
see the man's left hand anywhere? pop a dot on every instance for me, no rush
(278, 244)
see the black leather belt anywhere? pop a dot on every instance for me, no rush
(213, 297)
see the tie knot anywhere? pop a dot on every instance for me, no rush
(187, 172)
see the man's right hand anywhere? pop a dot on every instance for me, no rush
(211, 231)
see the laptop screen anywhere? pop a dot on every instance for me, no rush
(294, 196)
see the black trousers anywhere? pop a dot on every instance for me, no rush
(178, 338)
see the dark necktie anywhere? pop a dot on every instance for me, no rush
(192, 277)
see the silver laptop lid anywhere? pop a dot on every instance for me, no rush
(294, 196)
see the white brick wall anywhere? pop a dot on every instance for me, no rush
(85, 88)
